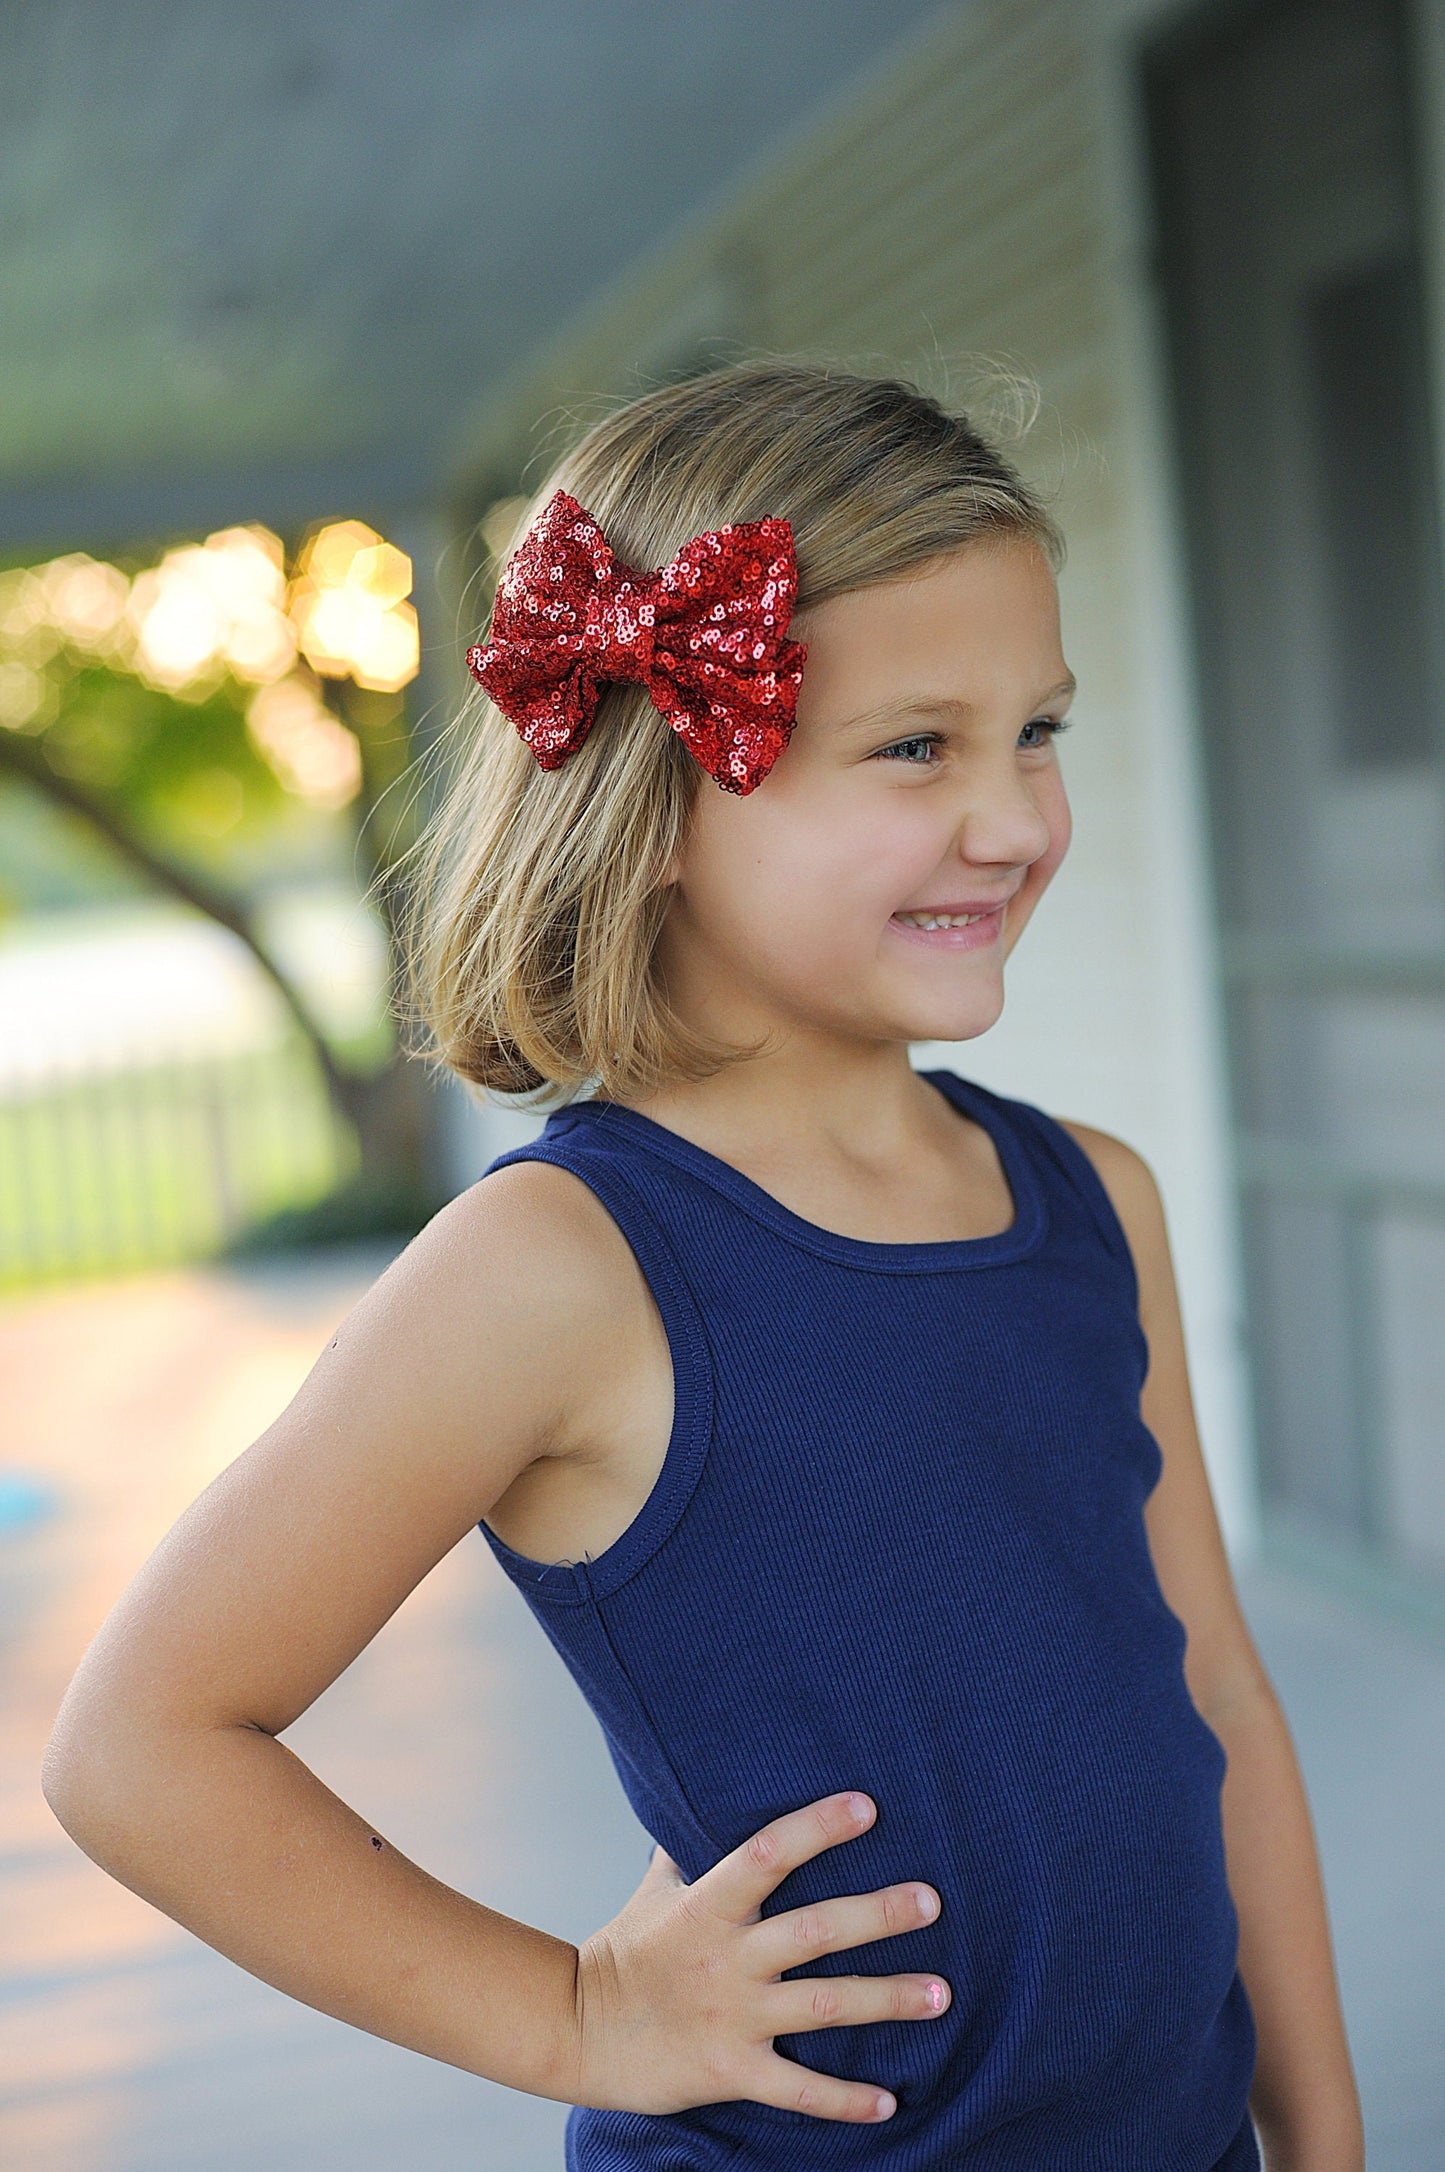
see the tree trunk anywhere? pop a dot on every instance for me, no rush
(391, 1111)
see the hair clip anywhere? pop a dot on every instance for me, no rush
(705, 634)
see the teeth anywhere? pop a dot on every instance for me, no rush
(940, 920)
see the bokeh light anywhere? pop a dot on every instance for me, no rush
(85, 602)
(225, 608)
(311, 754)
(348, 607)
(213, 607)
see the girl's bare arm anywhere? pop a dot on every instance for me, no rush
(1304, 2100)
(441, 1384)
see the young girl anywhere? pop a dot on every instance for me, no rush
(833, 1418)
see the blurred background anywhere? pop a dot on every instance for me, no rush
(297, 305)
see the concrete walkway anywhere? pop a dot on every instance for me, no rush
(128, 2046)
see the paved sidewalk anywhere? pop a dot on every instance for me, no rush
(127, 2046)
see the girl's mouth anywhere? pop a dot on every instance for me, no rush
(972, 934)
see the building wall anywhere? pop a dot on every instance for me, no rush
(980, 201)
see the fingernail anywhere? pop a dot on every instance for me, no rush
(934, 1996)
(886, 2107)
(858, 1805)
(927, 1903)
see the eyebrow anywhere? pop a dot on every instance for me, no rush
(939, 705)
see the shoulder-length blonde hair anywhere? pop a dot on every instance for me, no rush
(535, 899)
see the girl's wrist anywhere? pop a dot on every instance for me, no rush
(526, 2031)
(564, 2058)
(1314, 2146)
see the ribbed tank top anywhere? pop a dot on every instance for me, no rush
(897, 1544)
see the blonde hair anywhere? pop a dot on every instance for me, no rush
(534, 906)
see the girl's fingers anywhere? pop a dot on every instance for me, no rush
(793, 2088)
(736, 1887)
(850, 1919)
(841, 2002)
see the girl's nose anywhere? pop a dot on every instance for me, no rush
(999, 821)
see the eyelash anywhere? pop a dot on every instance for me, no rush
(1053, 725)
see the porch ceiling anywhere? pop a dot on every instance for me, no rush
(262, 257)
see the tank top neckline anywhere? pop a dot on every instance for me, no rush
(1023, 1235)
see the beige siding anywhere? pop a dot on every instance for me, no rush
(952, 207)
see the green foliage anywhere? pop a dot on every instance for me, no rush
(176, 767)
(51, 861)
(218, 722)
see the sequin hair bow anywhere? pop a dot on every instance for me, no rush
(705, 634)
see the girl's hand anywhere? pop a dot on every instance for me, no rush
(678, 1997)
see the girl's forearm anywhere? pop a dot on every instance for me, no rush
(229, 1833)
(1304, 2100)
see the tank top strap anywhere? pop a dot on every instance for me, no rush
(1067, 1162)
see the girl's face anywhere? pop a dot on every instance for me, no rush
(921, 777)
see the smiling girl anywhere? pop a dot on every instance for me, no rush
(832, 1417)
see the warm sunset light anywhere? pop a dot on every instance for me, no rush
(347, 603)
(217, 605)
(225, 608)
(313, 755)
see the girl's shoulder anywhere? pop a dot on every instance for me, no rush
(482, 1343)
(547, 1231)
(501, 1335)
(1119, 1165)
(1133, 1192)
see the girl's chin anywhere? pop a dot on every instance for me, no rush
(957, 1022)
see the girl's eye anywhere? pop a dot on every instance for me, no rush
(1053, 725)
(923, 739)
(1050, 724)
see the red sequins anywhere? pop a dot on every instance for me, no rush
(706, 635)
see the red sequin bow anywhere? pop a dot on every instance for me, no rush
(705, 635)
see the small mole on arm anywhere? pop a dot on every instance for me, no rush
(374, 1841)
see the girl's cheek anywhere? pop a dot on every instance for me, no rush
(812, 867)
(1061, 830)
(900, 853)
(1042, 870)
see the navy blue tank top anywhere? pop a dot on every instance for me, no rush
(897, 1544)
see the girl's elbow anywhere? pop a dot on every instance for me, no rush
(70, 1779)
(93, 1777)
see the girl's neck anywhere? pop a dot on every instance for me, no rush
(805, 1103)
